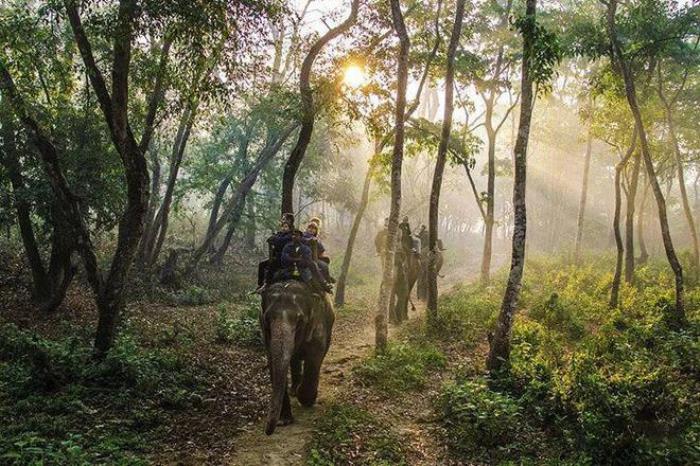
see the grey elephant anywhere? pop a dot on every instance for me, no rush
(407, 268)
(296, 326)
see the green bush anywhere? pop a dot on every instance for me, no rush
(243, 329)
(345, 434)
(401, 367)
(53, 394)
(479, 419)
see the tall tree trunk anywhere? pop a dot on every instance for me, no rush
(386, 286)
(629, 219)
(615, 291)
(162, 219)
(584, 196)
(150, 213)
(250, 224)
(440, 162)
(307, 108)
(216, 205)
(499, 352)
(641, 221)
(345, 267)
(678, 159)
(218, 257)
(677, 315)
(490, 201)
(246, 184)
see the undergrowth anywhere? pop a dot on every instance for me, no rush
(346, 434)
(585, 384)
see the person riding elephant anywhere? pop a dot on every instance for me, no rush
(407, 265)
(296, 327)
(297, 262)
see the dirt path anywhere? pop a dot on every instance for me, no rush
(287, 446)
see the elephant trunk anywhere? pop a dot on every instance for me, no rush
(281, 346)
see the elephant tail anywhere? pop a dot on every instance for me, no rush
(280, 353)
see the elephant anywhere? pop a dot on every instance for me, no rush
(422, 286)
(296, 327)
(407, 267)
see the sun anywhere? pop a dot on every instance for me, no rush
(354, 76)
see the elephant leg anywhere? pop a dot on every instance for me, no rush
(308, 390)
(295, 365)
(286, 417)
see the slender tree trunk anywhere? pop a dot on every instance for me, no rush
(677, 315)
(615, 291)
(499, 352)
(250, 224)
(629, 219)
(641, 221)
(386, 286)
(307, 108)
(678, 159)
(218, 257)
(490, 201)
(583, 198)
(216, 205)
(266, 154)
(345, 267)
(440, 162)
(160, 229)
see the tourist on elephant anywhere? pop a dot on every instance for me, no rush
(275, 243)
(297, 263)
(406, 239)
(311, 238)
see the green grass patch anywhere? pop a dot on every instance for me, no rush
(240, 326)
(402, 367)
(346, 434)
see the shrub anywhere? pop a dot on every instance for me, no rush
(243, 329)
(478, 419)
(346, 434)
(402, 366)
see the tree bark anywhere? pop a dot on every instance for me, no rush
(307, 108)
(615, 290)
(218, 257)
(677, 317)
(629, 220)
(641, 220)
(216, 205)
(678, 159)
(382, 318)
(499, 351)
(433, 210)
(583, 198)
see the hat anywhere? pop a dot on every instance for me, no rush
(288, 218)
(316, 220)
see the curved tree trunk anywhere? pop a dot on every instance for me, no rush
(345, 267)
(677, 315)
(386, 286)
(678, 159)
(307, 108)
(629, 220)
(440, 162)
(499, 351)
(615, 291)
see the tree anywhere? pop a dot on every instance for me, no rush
(308, 112)
(540, 54)
(677, 316)
(396, 164)
(441, 159)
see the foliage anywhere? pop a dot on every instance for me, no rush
(401, 367)
(619, 387)
(59, 406)
(243, 329)
(348, 434)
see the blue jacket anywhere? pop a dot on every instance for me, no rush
(292, 250)
(277, 243)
